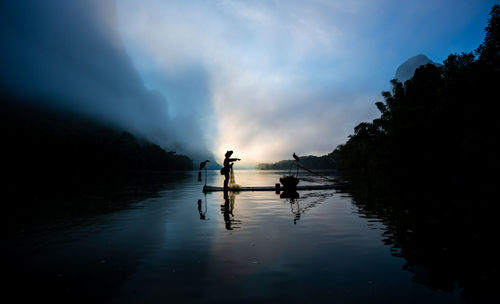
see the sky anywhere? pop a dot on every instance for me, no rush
(262, 78)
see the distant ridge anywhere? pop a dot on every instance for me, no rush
(407, 69)
(311, 162)
(48, 152)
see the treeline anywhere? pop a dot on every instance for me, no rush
(428, 168)
(45, 148)
(311, 162)
(438, 127)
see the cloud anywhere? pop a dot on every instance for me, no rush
(258, 59)
(263, 78)
(69, 55)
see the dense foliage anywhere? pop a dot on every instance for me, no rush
(440, 126)
(425, 167)
(48, 148)
(311, 162)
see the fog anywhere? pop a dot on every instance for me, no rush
(69, 55)
(289, 76)
(262, 78)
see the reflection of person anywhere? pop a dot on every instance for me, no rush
(228, 165)
(227, 211)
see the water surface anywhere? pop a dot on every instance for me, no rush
(176, 244)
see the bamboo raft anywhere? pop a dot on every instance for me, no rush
(277, 188)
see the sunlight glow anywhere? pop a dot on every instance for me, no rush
(282, 77)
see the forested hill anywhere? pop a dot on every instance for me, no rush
(438, 127)
(428, 167)
(311, 162)
(46, 146)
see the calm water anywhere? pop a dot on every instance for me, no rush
(178, 245)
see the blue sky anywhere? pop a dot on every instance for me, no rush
(262, 78)
(288, 76)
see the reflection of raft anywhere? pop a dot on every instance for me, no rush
(276, 188)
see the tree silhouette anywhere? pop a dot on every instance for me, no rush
(438, 126)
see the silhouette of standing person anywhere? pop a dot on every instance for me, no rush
(228, 165)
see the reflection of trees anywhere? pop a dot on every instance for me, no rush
(445, 248)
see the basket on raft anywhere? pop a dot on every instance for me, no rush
(289, 182)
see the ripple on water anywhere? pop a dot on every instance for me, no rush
(183, 245)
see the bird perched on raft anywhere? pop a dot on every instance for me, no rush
(202, 166)
(295, 156)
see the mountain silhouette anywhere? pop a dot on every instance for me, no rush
(407, 69)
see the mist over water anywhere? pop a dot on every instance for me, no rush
(100, 100)
(265, 79)
(69, 55)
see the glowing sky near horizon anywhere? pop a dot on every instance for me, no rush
(287, 76)
(262, 78)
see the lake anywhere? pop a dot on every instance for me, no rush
(174, 244)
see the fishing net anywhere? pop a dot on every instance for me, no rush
(232, 181)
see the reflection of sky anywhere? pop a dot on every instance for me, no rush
(276, 77)
(330, 252)
(158, 250)
(264, 220)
